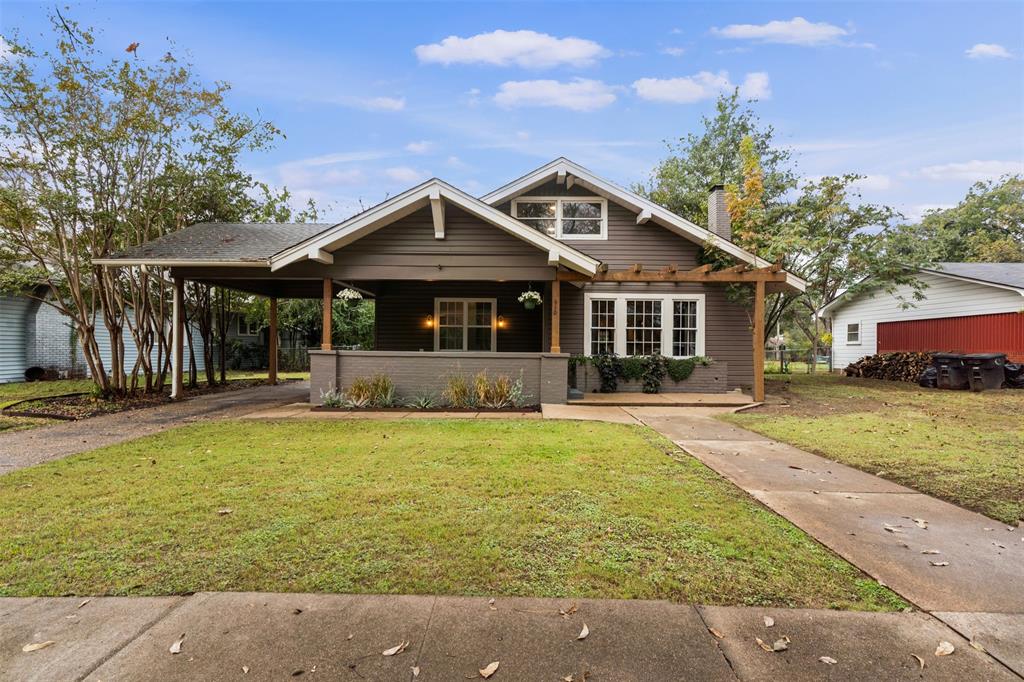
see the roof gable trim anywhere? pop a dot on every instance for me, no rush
(418, 197)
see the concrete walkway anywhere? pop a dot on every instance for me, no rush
(20, 449)
(342, 637)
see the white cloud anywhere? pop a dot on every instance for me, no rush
(704, 85)
(580, 94)
(914, 214)
(756, 86)
(528, 49)
(523, 134)
(972, 171)
(405, 174)
(674, 51)
(988, 51)
(796, 31)
(379, 103)
(455, 162)
(421, 147)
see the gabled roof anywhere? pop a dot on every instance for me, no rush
(998, 275)
(319, 246)
(648, 211)
(1001, 274)
(217, 243)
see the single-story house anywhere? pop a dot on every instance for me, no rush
(967, 307)
(34, 334)
(616, 273)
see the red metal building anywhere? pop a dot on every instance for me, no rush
(1000, 333)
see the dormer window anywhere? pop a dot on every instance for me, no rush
(564, 217)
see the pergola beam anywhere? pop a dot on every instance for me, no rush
(703, 273)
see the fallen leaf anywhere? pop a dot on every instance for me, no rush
(350, 636)
(939, 563)
(489, 670)
(565, 613)
(891, 529)
(245, 670)
(36, 646)
(781, 644)
(716, 633)
(920, 661)
(584, 632)
(224, 511)
(299, 673)
(395, 650)
(921, 523)
(761, 644)
(176, 647)
(944, 649)
(84, 602)
(491, 604)
(415, 671)
(978, 646)
(828, 659)
(568, 678)
(769, 621)
(931, 551)
(296, 611)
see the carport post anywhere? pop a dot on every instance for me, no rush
(177, 339)
(272, 371)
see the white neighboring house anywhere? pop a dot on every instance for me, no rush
(968, 307)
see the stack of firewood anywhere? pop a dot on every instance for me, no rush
(890, 366)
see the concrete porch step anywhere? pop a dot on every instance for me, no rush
(624, 399)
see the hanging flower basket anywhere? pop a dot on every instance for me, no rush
(530, 299)
(350, 296)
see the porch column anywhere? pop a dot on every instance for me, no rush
(325, 343)
(759, 341)
(272, 370)
(556, 326)
(177, 339)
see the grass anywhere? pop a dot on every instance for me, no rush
(967, 448)
(23, 390)
(510, 507)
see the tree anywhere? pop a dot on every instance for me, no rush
(681, 181)
(105, 155)
(986, 226)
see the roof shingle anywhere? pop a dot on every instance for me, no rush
(224, 242)
(1007, 274)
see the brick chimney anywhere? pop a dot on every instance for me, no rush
(718, 216)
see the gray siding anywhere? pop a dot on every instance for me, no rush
(728, 336)
(402, 308)
(13, 310)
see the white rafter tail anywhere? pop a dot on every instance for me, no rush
(321, 256)
(643, 216)
(553, 258)
(570, 180)
(560, 177)
(437, 208)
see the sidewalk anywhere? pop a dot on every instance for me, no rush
(343, 637)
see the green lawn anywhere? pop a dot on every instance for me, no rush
(964, 447)
(489, 507)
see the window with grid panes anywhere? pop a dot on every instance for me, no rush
(643, 326)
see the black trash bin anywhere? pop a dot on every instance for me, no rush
(952, 371)
(985, 370)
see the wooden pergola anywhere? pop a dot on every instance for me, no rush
(767, 279)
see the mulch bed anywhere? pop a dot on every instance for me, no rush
(75, 406)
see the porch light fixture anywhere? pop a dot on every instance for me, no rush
(501, 321)
(430, 321)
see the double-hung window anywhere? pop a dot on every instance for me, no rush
(564, 217)
(626, 324)
(465, 324)
(247, 327)
(853, 334)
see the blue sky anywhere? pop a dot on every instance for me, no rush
(923, 98)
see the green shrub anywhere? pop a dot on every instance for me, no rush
(422, 402)
(653, 372)
(382, 391)
(633, 367)
(332, 398)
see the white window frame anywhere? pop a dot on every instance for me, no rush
(465, 323)
(248, 326)
(558, 201)
(666, 319)
(859, 327)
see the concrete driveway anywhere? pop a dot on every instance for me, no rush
(21, 449)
